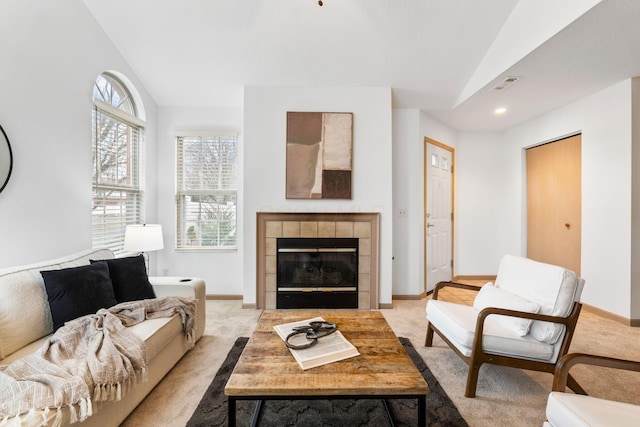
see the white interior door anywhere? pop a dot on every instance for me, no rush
(439, 213)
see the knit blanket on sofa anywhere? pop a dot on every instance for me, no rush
(92, 358)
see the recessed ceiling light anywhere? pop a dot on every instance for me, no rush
(500, 110)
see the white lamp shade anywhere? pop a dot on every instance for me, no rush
(143, 238)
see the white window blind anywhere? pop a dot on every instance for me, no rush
(206, 191)
(118, 166)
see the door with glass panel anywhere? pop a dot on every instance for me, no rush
(438, 213)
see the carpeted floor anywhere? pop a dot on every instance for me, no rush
(506, 396)
(212, 409)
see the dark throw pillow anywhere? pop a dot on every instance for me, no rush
(129, 278)
(78, 291)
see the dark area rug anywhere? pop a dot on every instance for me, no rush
(212, 409)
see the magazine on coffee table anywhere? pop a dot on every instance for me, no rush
(328, 349)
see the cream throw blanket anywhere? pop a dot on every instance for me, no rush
(92, 358)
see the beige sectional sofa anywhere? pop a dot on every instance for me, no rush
(25, 323)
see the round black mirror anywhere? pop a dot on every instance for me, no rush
(6, 159)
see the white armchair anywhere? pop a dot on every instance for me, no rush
(526, 320)
(568, 409)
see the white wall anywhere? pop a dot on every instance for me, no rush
(408, 203)
(52, 53)
(222, 271)
(480, 187)
(437, 131)
(265, 111)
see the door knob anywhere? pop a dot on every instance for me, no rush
(430, 225)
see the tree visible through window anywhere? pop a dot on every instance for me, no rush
(206, 192)
(117, 163)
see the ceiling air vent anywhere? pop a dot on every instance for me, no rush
(506, 83)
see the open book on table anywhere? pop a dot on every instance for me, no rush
(330, 348)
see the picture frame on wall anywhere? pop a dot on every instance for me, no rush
(319, 155)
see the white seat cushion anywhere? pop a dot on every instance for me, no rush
(567, 409)
(552, 287)
(458, 322)
(156, 333)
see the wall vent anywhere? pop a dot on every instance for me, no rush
(506, 83)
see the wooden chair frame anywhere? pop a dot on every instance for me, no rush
(568, 361)
(479, 356)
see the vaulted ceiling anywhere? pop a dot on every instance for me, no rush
(440, 56)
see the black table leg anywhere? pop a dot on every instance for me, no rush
(388, 413)
(422, 411)
(231, 416)
(256, 414)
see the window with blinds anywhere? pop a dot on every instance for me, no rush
(206, 191)
(118, 197)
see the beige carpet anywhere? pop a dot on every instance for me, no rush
(505, 396)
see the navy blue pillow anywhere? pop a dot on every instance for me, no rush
(78, 291)
(129, 278)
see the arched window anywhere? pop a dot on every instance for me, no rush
(118, 167)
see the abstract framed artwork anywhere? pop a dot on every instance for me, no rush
(319, 155)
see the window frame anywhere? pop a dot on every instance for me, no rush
(182, 191)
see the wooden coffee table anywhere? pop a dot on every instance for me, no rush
(267, 370)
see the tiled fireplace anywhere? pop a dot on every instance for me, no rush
(363, 226)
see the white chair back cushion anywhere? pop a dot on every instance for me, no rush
(24, 307)
(552, 287)
(492, 296)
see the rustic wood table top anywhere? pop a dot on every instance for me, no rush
(267, 368)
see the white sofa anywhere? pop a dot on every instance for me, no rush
(25, 323)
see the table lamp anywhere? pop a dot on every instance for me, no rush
(143, 238)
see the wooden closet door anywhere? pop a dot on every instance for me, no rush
(554, 203)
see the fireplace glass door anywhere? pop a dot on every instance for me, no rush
(317, 273)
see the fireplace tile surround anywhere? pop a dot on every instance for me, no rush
(365, 226)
